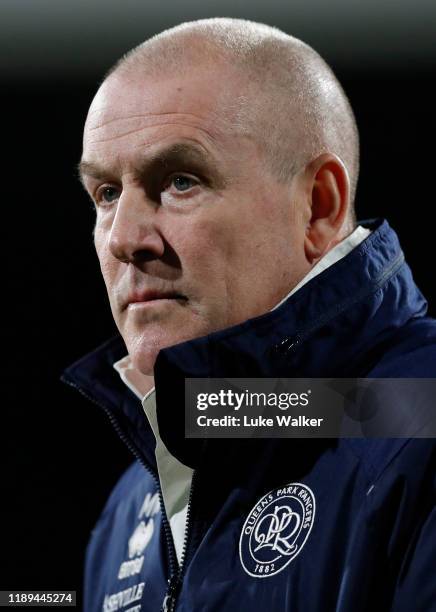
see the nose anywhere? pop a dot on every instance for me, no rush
(133, 234)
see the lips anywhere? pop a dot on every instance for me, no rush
(149, 295)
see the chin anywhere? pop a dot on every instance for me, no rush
(144, 345)
(144, 361)
(144, 349)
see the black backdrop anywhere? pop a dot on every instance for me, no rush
(61, 456)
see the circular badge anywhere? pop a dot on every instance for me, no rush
(276, 530)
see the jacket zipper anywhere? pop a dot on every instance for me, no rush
(175, 582)
(175, 571)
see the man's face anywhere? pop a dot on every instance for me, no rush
(193, 232)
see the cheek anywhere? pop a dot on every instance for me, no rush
(108, 264)
(205, 245)
(98, 240)
(220, 262)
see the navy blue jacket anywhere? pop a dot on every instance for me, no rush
(343, 525)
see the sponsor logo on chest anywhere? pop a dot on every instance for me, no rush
(140, 537)
(128, 598)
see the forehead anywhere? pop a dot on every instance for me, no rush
(203, 100)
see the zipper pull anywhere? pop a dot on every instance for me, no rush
(169, 602)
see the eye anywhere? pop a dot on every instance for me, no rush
(183, 183)
(180, 183)
(107, 194)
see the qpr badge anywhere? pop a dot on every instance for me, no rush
(276, 530)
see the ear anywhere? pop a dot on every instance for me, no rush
(328, 193)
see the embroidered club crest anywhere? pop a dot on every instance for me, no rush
(276, 530)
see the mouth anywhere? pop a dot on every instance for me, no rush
(150, 296)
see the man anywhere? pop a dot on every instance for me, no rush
(222, 158)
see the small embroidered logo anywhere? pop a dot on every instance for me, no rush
(276, 530)
(140, 538)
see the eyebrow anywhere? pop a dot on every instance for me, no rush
(176, 154)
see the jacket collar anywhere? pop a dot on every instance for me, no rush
(330, 327)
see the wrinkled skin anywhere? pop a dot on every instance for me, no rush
(197, 240)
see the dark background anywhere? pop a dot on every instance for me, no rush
(61, 456)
